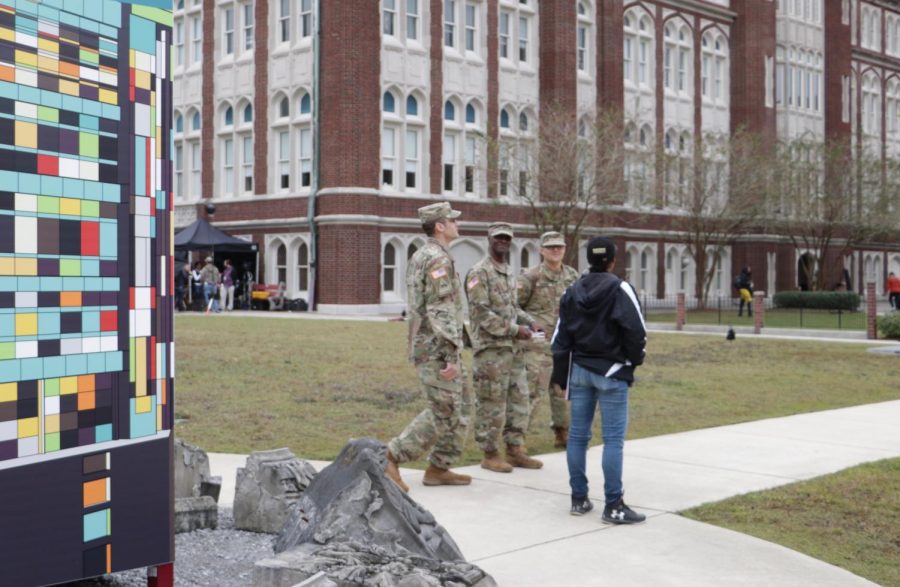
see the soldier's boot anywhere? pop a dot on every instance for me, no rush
(392, 470)
(517, 456)
(493, 462)
(562, 436)
(437, 476)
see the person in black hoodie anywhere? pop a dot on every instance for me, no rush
(598, 343)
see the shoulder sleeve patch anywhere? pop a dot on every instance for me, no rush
(438, 273)
(473, 281)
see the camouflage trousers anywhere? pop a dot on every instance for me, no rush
(501, 398)
(539, 366)
(444, 423)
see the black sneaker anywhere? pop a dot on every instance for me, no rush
(581, 506)
(619, 513)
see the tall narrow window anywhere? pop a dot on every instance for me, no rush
(284, 21)
(306, 18)
(281, 264)
(196, 166)
(626, 58)
(388, 156)
(411, 146)
(303, 267)
(228, 31)
(284, 160)
(179, 171)
(523, 39)
(197, 38)
(449, 162)
(389, 16)
(228, 166)
(504, 34)
(412, 20)
(471, 20)
(247, 164)
(179, 42)
(704, 75)
(470, 168)
(306, 157)
(718, 74)
(450, 23)
(779, 75)
(389, 267)
(682, 69)
(582, 48)
(643, 58)
(248, 26)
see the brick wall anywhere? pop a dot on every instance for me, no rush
(261, 99)
(208, 107)
(752, 40)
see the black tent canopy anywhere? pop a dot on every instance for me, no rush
(200, 234)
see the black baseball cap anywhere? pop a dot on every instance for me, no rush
(600, 251)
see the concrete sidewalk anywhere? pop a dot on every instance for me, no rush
(517, 527)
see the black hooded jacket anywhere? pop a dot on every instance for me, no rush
(600, 328)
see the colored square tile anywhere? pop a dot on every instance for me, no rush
(26, 324)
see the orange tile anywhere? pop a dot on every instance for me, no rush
(7, 74)
(69, 70)
(86, 383)
(86, 401)
(108, 559)
(95, 492)
(70, 299)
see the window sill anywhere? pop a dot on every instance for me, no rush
(451, 54)
(474, 58)
(227, 61)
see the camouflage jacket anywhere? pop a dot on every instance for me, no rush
(494, 314)
(436, 306)
(539, 293)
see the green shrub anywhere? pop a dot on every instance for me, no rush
(889, 325)
(818, 300)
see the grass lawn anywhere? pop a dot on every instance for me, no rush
(785, 318)
(246, 384)
(850, 519)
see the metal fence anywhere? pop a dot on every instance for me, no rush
(723, 310)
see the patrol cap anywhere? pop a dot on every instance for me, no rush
(552, 239)
(438, 211)
(499, 228)
(600, 251)
(208, 260)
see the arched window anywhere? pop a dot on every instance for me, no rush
(412, 106)
(504, 118)
(281, 264)
(195, 121)
(284, 108)
(524, 259)
(389, 103)
(229, 116)
(470, 114)
(248, 113)
(449, 110)
(389, 267)
(303, 267)
(401, 143)
(411, 250)
(643, 280)
(179, 123)
(523, 122)
(305, 104)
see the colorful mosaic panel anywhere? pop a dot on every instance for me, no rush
(86, 356)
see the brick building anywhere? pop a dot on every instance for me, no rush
(392, 107)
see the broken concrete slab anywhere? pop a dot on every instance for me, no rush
(196, 513)
(271, 482)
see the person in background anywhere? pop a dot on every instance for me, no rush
(196, 284)
(743, 282)
(210, 277)
(226, 290)
(182, 283)
(893, 289)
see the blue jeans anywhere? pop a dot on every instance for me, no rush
(586, 390)
(209, 290)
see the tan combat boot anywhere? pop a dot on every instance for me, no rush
(562, 437)
(437, 476)
(517, 456)
(393, 472)
(493, 462)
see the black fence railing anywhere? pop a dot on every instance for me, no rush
(723, 310)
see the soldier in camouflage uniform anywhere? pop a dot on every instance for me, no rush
(540, 288)
(501, 399)
(437, 329)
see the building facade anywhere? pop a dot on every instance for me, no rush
(320, 148)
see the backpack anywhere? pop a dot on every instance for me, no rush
(738, 282)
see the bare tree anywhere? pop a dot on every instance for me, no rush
(715, 194)
(567, 171)
(829, 200)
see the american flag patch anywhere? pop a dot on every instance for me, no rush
(438, 273)
(472, 282)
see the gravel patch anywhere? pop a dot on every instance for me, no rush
(215, 558)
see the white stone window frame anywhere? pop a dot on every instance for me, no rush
(179, 35)
(642, 276)
(243, 129)
(463, 133)
(196, 32)
(280, 122)
(517, 10)
(871, 104)
(401, 243)
(301, 123)
(679, 270)
(519, 146)
(715, 59)
(292, 243)
(402, 123)
(227, 182)
(192, 52)
(585, 39)
(247, 24)
(228, 38)
(721, 283)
